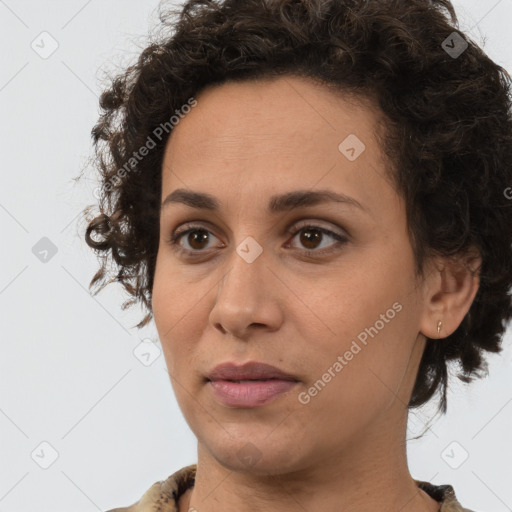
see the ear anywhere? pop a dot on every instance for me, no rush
(451, 286)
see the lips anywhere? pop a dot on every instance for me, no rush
(248, 372)
(250, 394)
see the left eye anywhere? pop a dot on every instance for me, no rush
(311, 236)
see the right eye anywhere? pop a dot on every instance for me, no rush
(200, 237)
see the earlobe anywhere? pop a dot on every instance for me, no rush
(451, 291)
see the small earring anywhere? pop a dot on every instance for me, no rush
(439, 328)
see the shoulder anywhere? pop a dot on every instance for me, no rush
(445, 494)
(163, 495)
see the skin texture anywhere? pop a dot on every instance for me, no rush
(346, 448)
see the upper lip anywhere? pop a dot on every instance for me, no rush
(248, 371)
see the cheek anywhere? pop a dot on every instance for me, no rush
(180, 311)
(364, 313)
(169, 311)
(355, 376)
(174, 300)
(340, 304)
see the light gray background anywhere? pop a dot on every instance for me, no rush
(69, 376)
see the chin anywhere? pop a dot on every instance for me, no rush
(256, 455)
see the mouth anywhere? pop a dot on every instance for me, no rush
(251, 371)
(245, 381)
(249, 393)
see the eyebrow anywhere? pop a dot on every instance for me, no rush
(277, 203)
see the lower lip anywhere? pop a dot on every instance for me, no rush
(250, 394)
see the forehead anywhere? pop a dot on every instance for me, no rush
(275, 134)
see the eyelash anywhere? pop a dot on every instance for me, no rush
(174, 238)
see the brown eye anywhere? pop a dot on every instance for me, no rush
(312, 236)
(197, 239)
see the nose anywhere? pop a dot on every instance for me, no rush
(248, 296)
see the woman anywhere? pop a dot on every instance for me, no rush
(309, 198)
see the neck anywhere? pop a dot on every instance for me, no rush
(368, 474)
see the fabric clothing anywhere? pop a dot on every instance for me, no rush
(163, 495)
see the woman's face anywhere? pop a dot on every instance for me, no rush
(252, 283)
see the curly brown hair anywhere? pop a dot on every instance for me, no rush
(449, 136)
